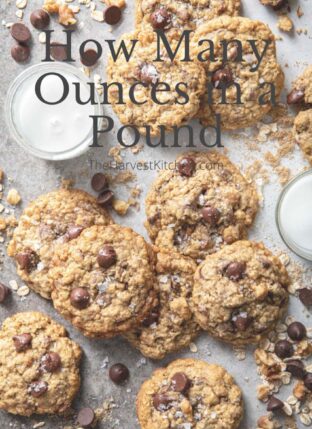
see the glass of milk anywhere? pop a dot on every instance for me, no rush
(54, 132)
(294, 215)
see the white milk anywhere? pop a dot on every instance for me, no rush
(294, 215)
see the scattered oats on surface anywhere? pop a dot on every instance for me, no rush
(13, 284)
(13, 197)
(42, 37)
(23, 291)
(38, 425)
(21, 4)
(97, 15)
(193, 348)
(19, 14)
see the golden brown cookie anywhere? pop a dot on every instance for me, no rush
(301, 93)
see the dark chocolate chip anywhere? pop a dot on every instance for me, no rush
(222, 76)
(38, 388)
(99, 182)
(89, 58)
(107, 256)
(211, 215)
(112, 15)
(20, 33)
(235, 271)
(79, 298)
(181, 383)
(296, 331)
(148, 73)
(20, 53)
(305, 296)
(162, 402)
(105, 198)
(40, 19)
(308, 381)
(86, 417)
(4, 292)
(119, 373)
(296, 368)
(152, 318)
(279, 4)
(283, 349)
(242, 321)
(275, 404)
(27, 260)
(22, 342)
(74, 232)
(161, 18)
(295, 96)
(58, 51)
(186, 166)
(50, 362)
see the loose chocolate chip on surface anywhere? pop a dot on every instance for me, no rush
(296, 368)
(161, 18)
(296, 331)
(305, 296)
(308, 381)
(20, 53)
(235, 270)
(4, 292)
(50, 362)
(99, 182)
(74, 232)
(295, 96)
(107, 256)
(86, 417)
(112, 15)
(283, 349)
(58, 52)
(222, 76)
(274, 404)
(79, 298)
(152, 318)
(38, 388)
(149, 73)
(186, 166)
(162, 402)
(211, 215)
(180, 382)
(20, 32)
(22, 342)
(89, 58)
(118, 373)
(40, 19)
(105, 198)
(242, 321)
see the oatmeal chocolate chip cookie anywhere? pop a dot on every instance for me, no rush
(176, 16)
(301, 92)
(190, 393)
(240, 292)
(303, 132)
(275, 4)
(104, 281)
(238, 74)
(170, 326)
(202, 204)
(49, 220)
(39, 365)
(148, 76)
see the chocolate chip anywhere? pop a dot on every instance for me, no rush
(74, 232)
(148, 73)
(161, 18)
(296, 331)
(79, 298)
(242, 321)
(86, 417)
(186, 166)
(152, 318)
(275, 404)
(283, 349)
(38, 388)
(235, 270)
(20, 33)
(112, 15)
(40, 19)
(308, 381)
(305, 296)
(50, 362)
(119, 373)
(107, 256)
(162, 402)
(105, 198)
(222, 76)
(27, 260)
(99, 182)
(295, 96)
(20, 53)
(22, 342)
(211, 215)
(4, 292)
(181, 383)
(89, 58)
(58, 52)
(296, 368)
(279, 4)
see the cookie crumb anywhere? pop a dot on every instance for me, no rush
(121, 207)
(13, 197)
(285, 24)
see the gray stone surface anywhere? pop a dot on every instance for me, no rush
(33, 177)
